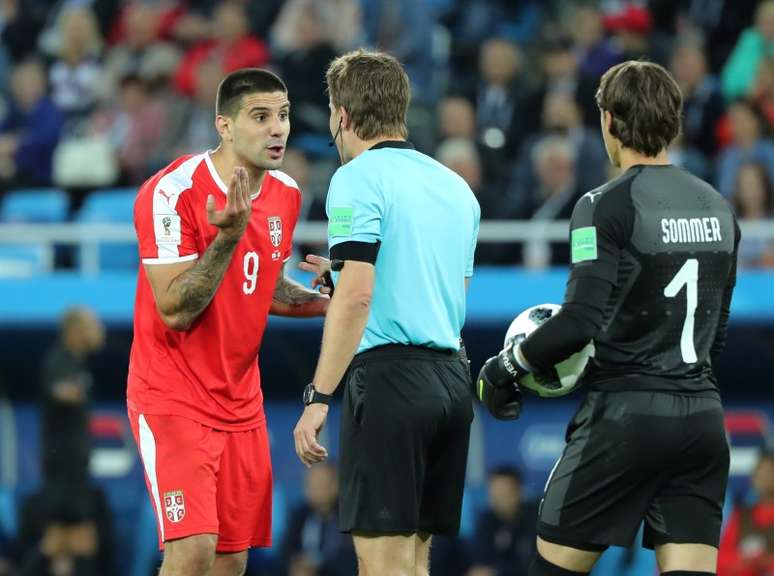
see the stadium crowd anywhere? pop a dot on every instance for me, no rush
(103, 93)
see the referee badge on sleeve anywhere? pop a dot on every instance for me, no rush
(340, 222)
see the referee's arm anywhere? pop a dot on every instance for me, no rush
(344, 324)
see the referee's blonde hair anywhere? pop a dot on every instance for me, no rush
(374, 90)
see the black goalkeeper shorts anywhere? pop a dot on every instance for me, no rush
(405, 428)
(635, 456)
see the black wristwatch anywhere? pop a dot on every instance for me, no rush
(312, 396)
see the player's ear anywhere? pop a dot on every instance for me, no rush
(223, 125)
(609, 126)
(345, 118)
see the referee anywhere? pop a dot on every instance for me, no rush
(653, 272)
(402, 232)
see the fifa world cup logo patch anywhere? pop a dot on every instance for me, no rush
(174, 506)
(167, 224)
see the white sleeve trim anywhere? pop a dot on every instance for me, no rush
(170, 260)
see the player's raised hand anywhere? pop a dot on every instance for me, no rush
(233, 219)
(319, 266)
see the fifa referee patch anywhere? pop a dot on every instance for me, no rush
(340, 223)
(583, 244)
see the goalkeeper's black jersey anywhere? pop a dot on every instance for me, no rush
(667, 243)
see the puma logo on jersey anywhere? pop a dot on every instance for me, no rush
(591, 195)
(690, 230)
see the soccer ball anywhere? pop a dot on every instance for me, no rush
(565, 374)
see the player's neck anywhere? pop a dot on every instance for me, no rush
(628, 158)
(225, 161)
(359, 146)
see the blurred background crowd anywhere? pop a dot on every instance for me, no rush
(102, 93)
(97, 95)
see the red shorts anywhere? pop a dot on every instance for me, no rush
(206, 481)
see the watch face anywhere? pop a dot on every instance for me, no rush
(308, 392)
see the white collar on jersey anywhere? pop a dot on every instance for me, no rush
(219, 181)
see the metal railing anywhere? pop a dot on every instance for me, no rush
(89, 236)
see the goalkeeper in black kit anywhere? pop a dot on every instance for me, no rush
(653, 268)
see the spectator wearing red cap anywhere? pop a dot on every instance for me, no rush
(630, 29)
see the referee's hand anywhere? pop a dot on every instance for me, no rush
(309, 450)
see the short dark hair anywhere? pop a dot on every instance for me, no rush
(374, 89)
(242, 82)
(506, 471)
(645, 103)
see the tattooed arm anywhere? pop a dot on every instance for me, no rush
(183, 290)
(292, 299)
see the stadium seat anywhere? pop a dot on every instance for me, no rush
(106, 207)
(35, 205)
(21, 260)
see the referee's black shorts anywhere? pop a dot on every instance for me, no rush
(405, 427)
(639, 455)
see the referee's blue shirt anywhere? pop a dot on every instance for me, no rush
(426, 219)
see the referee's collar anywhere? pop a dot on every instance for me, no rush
(393, 144)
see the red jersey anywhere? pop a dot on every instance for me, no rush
(210, 372)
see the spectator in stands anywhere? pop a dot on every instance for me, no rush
(19, 28)
(504, 539)
(313, 545)
(76, 71)
(189, 122)
(456, 118)
(231, 45)
(703, 104)
(762, 91)
(499, 95)
(473, 22)
(556, 166)
(750, 141)
(562, 117)
(135, 127)
(303, 45)
(404, 28)
(747, 543)
(561, 72)
(461, 156)
(754, 44)
(753, 199)
(29, 131)
(630, 28)
(139, 52)
(594, 51)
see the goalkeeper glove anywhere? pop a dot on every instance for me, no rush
(497, 387)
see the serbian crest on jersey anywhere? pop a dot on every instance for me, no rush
(275, 230)
(174, 506)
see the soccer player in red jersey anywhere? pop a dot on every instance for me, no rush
(212, 270)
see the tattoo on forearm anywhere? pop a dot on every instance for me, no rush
(193, 289)
(292, 293)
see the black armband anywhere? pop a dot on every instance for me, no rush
(354, 250)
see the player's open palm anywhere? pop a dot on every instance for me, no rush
(235, 215)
